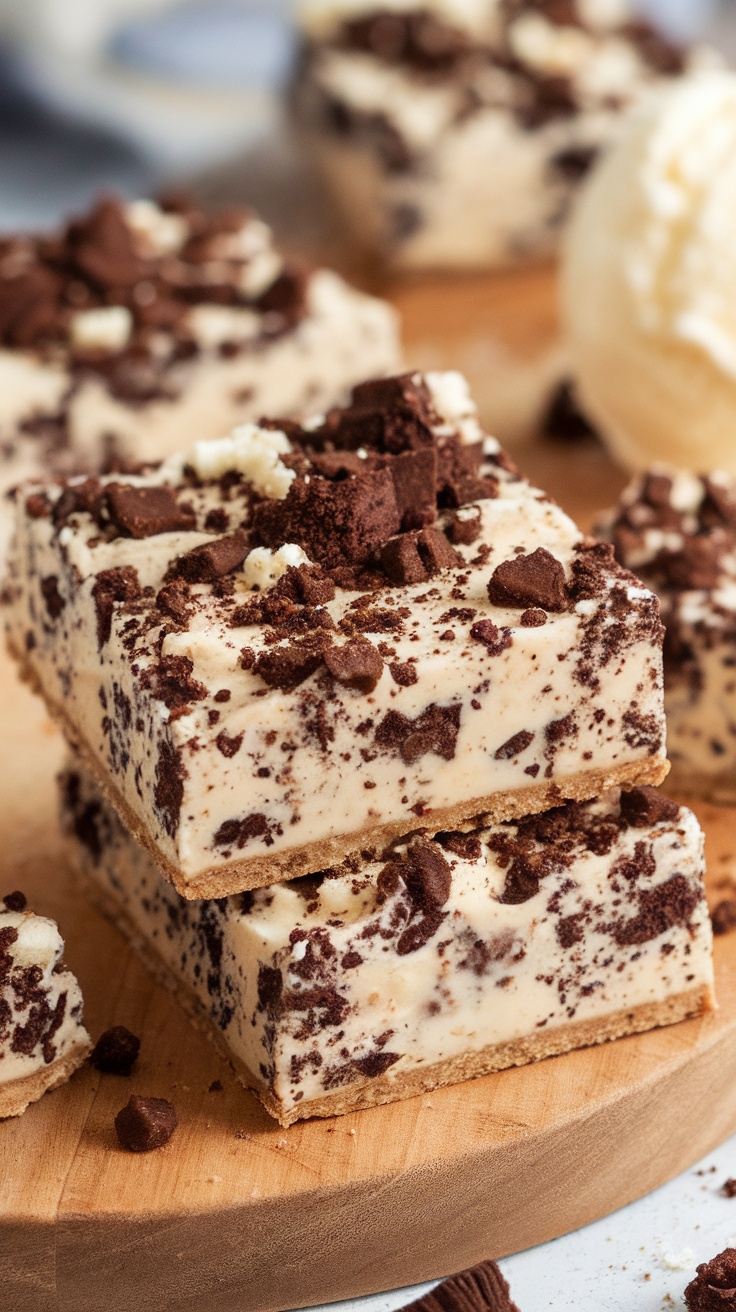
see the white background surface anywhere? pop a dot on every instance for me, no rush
(625, 1262)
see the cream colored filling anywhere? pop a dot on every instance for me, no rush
(308, 791)
(502, 973)
(39, 943)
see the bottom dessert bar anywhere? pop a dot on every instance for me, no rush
(441, 959)
(42, 1038)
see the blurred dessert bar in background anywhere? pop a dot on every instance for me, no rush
(42, 1038)
(138, 328)
(454, 133)
(286, 646)
(442, 958)
(678, 533)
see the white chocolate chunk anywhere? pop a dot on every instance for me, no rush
(105, 329)
(212, 325)
(558, 51)
(263, 567)
(251, 451)
(161, 233)
(451, 399)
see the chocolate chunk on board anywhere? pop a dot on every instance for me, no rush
(480, 1289)
(534, 581)
(145, 1123)
(116, 1051)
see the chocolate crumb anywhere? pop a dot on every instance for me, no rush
(356, 664)
(714, 1287)
(645, 806)
(116, 1051)
(723, 916)
(530, 582)
(480, 1289)
(494, 640)
(215, 1087)
(533, 618)
(728, 1188)
(16, 901)
(212, 560)
(514, 746)
(145, 1123)
(118, 584)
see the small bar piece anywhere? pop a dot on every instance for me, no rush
(288, 646)
(677, 531)
(455, 133)
(441, 959)
(42, 1038)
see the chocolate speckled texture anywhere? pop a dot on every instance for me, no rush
(448, 955)
(42, 1038)
(256, 719)
(677, 531)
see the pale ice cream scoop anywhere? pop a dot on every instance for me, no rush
(649, 281)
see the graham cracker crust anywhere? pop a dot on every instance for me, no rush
(693, 1002)
(256, 872)
(17, 1094)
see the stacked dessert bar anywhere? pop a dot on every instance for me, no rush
(678, 532)
(352, 708)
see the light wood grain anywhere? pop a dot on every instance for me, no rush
(238, 1215)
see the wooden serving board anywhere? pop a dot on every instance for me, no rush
(238, 1215)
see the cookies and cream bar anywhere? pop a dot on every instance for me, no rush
(443, 958)
(42, 1038)
(454, 133)
(677, 531)
(140, 327)
(297, 641)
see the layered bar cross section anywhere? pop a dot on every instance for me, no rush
(678, 532)
(446, 957)
(42, 1038)
(300, 642)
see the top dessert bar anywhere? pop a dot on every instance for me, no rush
(140, 328)
(678, 532)
(455, 132)
(301, 642)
